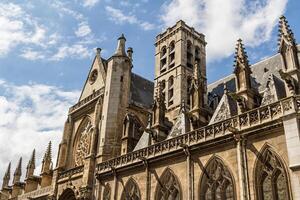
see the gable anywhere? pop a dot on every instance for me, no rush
(95, 80)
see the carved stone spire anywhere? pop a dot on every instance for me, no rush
(241, 67)
(288, 50)
(197, 95)
(159, 121)
(159, 106)
(6, 177)
(285, 33)
(244, 91)
(47, 160)
(31, 165)
(120, 51)
(18, 172)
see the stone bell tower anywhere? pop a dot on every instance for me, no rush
(176, 51)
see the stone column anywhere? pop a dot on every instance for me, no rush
(242, 166)
(115, 189)
(292, 135)
(148, 183)
(189, 172)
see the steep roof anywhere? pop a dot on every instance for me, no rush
(141, 91)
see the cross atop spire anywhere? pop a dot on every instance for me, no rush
(241, 58)
(285, 32)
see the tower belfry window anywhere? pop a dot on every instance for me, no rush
(172, 54)
(170, 91)
(197, 54)
(163, 59)
(189, 55)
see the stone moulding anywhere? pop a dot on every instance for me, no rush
(36, 193)
(70, 172)
(243, 122)
(86, 100)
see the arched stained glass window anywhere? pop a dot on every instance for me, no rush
(131, 191)
(216, 182)
(271, 177)
(169, 187)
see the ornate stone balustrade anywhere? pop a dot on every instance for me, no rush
(36, 193)
(70, 172)
(242, 122)
(86, 100)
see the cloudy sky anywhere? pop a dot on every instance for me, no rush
(46, 49)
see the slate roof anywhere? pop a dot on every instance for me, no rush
(260, 73)
(141, 91)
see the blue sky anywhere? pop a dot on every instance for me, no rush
(46, 49)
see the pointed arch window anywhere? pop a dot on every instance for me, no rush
(163, 59)
(189, 54)
(169, 187)
(131, 191)
(216, 182)
(271, 177)
(172, 54)
(171, 91)
(197, 54)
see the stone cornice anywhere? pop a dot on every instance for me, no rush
(86, 100)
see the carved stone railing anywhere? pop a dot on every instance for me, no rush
(86, 100)
(36, 193)
(70, 172)
(244, 121)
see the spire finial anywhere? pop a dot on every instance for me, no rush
(6, 177)
(285, 31)
(120, 51)
(241, 58)
(31, 165)
(48, 154)
(31, 162)
(7, 173)
(47, 160)
(18, 172)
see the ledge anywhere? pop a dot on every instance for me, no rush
(86, 100)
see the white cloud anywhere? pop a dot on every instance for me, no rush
(17, 27)
(30, 54)
(83, 30)
(90, 3)
(223, 22)
(117, 16)
(73, 51)
(31, 116)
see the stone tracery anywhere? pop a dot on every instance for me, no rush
(271, 177)
(169, 188)
(131, 191)
(217, 182)
(83, 144)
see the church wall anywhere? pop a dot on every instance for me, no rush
(227, 153)
(275, 138)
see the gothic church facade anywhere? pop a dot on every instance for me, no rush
(177, 138)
